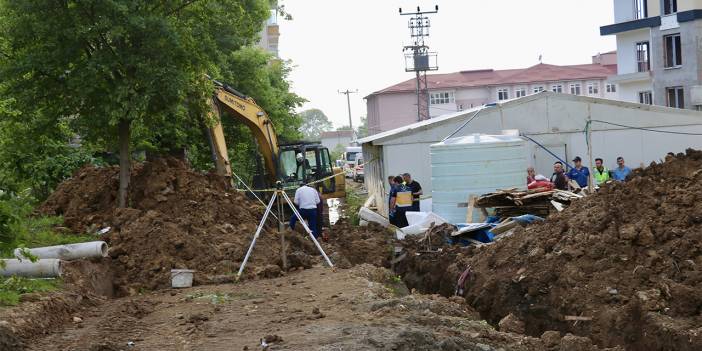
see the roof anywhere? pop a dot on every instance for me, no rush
(489, 77)
(337, 134)
(449, 118)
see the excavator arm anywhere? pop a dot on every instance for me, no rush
(243, 109)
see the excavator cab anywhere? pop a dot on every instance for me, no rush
(306, 163)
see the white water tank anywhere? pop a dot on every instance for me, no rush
(474, 165)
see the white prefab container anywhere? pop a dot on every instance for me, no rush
(474, 165)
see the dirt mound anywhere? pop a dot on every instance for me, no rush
(629, 258)
(354, 245)
(177, 218)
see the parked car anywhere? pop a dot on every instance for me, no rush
(358, 169)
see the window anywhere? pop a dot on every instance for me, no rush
(670, 7)
(674, 97)
(593, 88)
(575, 89)
(640, 9)
(646, 97)
(441, 98)
(611, 88)
(558, 88)
(520, 92)
(642, 57)
(502, 94)
(673, 50)
(538, 90)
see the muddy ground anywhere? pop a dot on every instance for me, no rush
(617, 270)
(358, 309)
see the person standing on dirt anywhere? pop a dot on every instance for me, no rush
(400, 202)
(306, 201)
(621, 172)
(601, 172)
(579, 173)
(558, 178)
(416, 189)
(391, 211)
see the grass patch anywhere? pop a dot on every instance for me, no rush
(11, 288)
(354, 202)
(19, 227)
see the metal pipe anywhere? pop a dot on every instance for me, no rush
(93, 249)
(319, 247)
(46, 268)
(258, 232)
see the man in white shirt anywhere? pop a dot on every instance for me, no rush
(306, 200)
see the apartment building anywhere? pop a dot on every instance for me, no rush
(395, 106)
(658, 55)
(270, 33)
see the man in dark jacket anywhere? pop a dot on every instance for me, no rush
(559, 178)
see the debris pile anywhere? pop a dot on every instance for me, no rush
(177, 218)
(514, 202)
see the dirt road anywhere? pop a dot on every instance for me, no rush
(359, 309)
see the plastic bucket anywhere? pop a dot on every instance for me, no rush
(181, 278)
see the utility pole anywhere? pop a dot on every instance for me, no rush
(418, 58)
(348, 102)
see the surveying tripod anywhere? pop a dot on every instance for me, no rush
(279, 195)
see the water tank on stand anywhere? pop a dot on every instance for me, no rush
(474, 165)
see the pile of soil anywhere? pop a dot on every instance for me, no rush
(628, 259)
(353, 245)
(177, 218)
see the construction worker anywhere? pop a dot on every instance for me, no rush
(580, 174)
(559, 180)
(400, 202)
(416, 189)
(303, 166)
(621, 172)
(601, 172)
(306, 201)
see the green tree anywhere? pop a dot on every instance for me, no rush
(362, 130)
(314, 122)
(121, 72)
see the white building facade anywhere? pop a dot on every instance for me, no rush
(658, 55)
(637, 132)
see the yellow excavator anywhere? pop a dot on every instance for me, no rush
(290, 163)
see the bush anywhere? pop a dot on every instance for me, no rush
(19, 228)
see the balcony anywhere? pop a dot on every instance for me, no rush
(630, 78)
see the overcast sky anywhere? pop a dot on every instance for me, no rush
(357, 44)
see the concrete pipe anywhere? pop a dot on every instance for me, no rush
(68, 252)
(46, 268)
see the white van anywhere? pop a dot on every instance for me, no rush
(349, 156)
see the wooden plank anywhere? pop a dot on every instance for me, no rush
(501, 228)
(469, 212)
(557, 205)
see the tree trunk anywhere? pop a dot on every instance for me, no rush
(125, 165)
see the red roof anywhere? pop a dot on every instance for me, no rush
(337, 134)
(488, 77)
